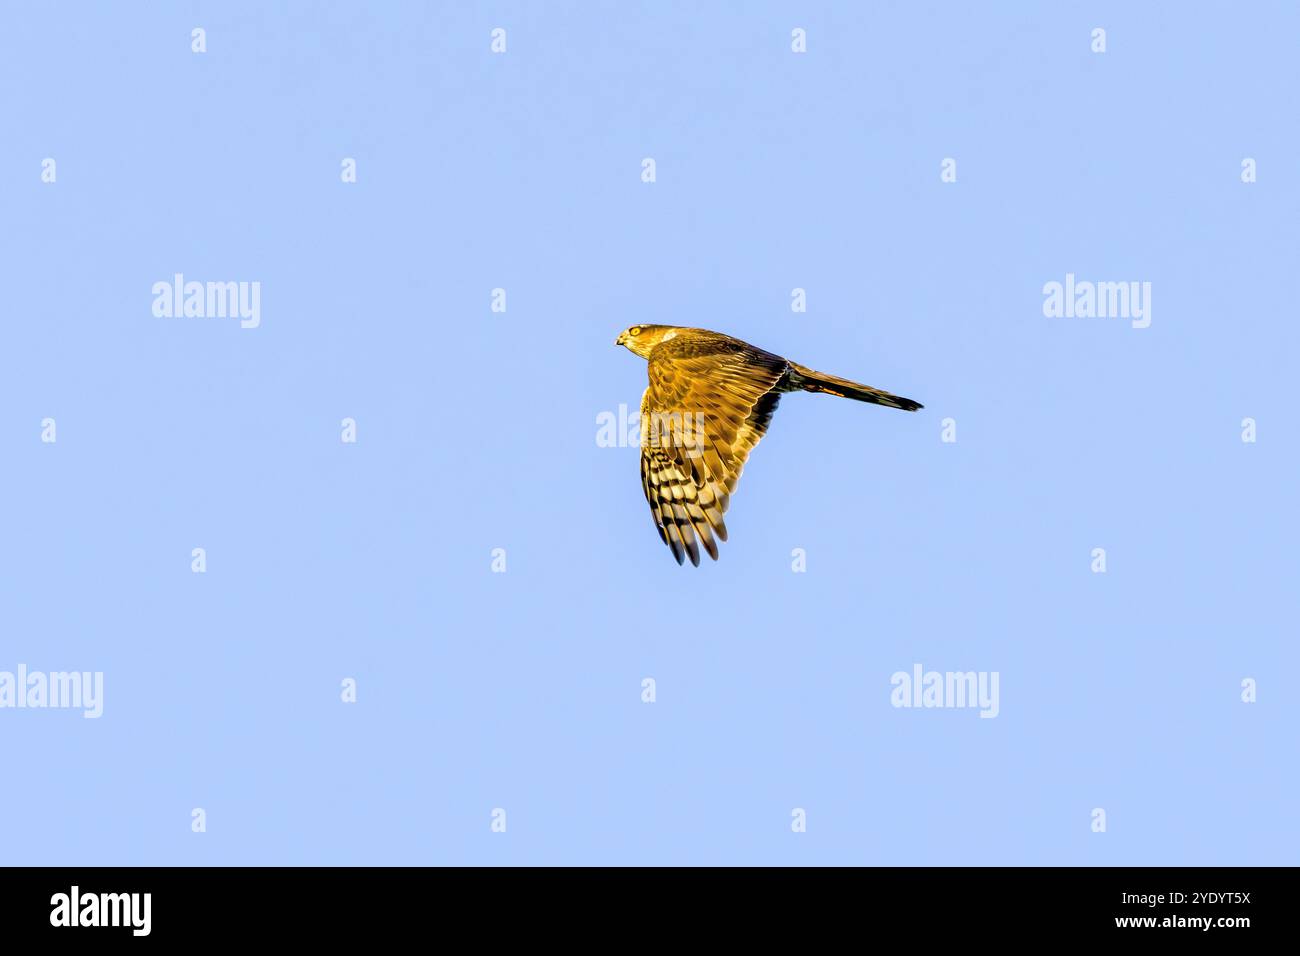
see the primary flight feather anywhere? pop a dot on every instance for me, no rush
(709, 402)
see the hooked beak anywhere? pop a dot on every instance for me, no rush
(622, 337)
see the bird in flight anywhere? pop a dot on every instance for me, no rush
(710, 400)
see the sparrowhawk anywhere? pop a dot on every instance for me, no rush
(710, 400)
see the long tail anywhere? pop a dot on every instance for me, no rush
(810, 381)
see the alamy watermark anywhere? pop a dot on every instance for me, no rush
(208, 300)
(65, 690)
(653, 430)
(1098, 300)
(75, 908)
(950, 689)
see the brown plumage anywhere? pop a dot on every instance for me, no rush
(710, 400)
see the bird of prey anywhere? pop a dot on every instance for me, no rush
(710, 400)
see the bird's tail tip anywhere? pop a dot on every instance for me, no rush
(811, 381)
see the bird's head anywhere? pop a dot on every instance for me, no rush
(642, 338)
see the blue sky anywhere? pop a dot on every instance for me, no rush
(476, 430)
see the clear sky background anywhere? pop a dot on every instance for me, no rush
(477, 430)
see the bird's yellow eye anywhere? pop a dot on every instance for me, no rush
(635, 330)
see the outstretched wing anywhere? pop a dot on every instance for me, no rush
(709, 402)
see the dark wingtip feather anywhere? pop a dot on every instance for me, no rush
(710, 545)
